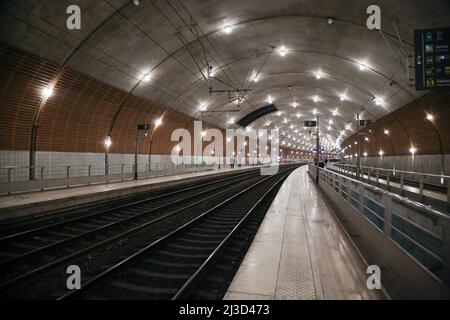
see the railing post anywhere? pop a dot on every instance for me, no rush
(421, 185)
(9, 181)
(42, 178)
(448, 189)
(388, 180)
(361, 198)
(89, 173)
(387, 203)
(402, 182)
(377, 176)
(68, 176)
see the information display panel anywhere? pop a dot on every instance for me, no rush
(432, 58)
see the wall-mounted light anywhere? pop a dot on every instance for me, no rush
(386, 132)
(108, 142)
(413, 150)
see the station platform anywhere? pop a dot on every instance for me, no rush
(31, 204)
(301, 252)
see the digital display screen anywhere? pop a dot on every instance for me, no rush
(432, 59)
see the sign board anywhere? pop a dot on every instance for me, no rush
(143, 127)
(365, 123)
(432, 58)
(310, 124)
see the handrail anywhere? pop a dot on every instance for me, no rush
(399, 171)
(397, 197)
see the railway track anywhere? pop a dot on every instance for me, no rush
(174, 266)
(29, 253)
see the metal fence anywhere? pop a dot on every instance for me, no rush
(40, 178)
(420, 231)
(438, 183)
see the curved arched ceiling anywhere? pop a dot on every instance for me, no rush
(120, 42)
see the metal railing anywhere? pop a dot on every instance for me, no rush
(17, 179)
(436, 183)
(420, 231)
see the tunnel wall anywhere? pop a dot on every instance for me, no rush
(408, 126)
(77, 117)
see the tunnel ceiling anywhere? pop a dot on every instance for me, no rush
(120, 43)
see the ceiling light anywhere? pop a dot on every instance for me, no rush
(269, 99)
(330, 20)
(413, 150)
(316, 99)
(381, 153)
(298, 115)
(430, 117)
(158, 122)
(362, 66)
(318, 75)
(282, 51)
(47, 92)
(294, 104)
(228, 29)
(386, 132)
(378, 101)
(136, 2)
(367, 139)
(365, 154)
(343, 97)
(146, 77)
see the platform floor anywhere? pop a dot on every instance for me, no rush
(301, 252)
(37, 198)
